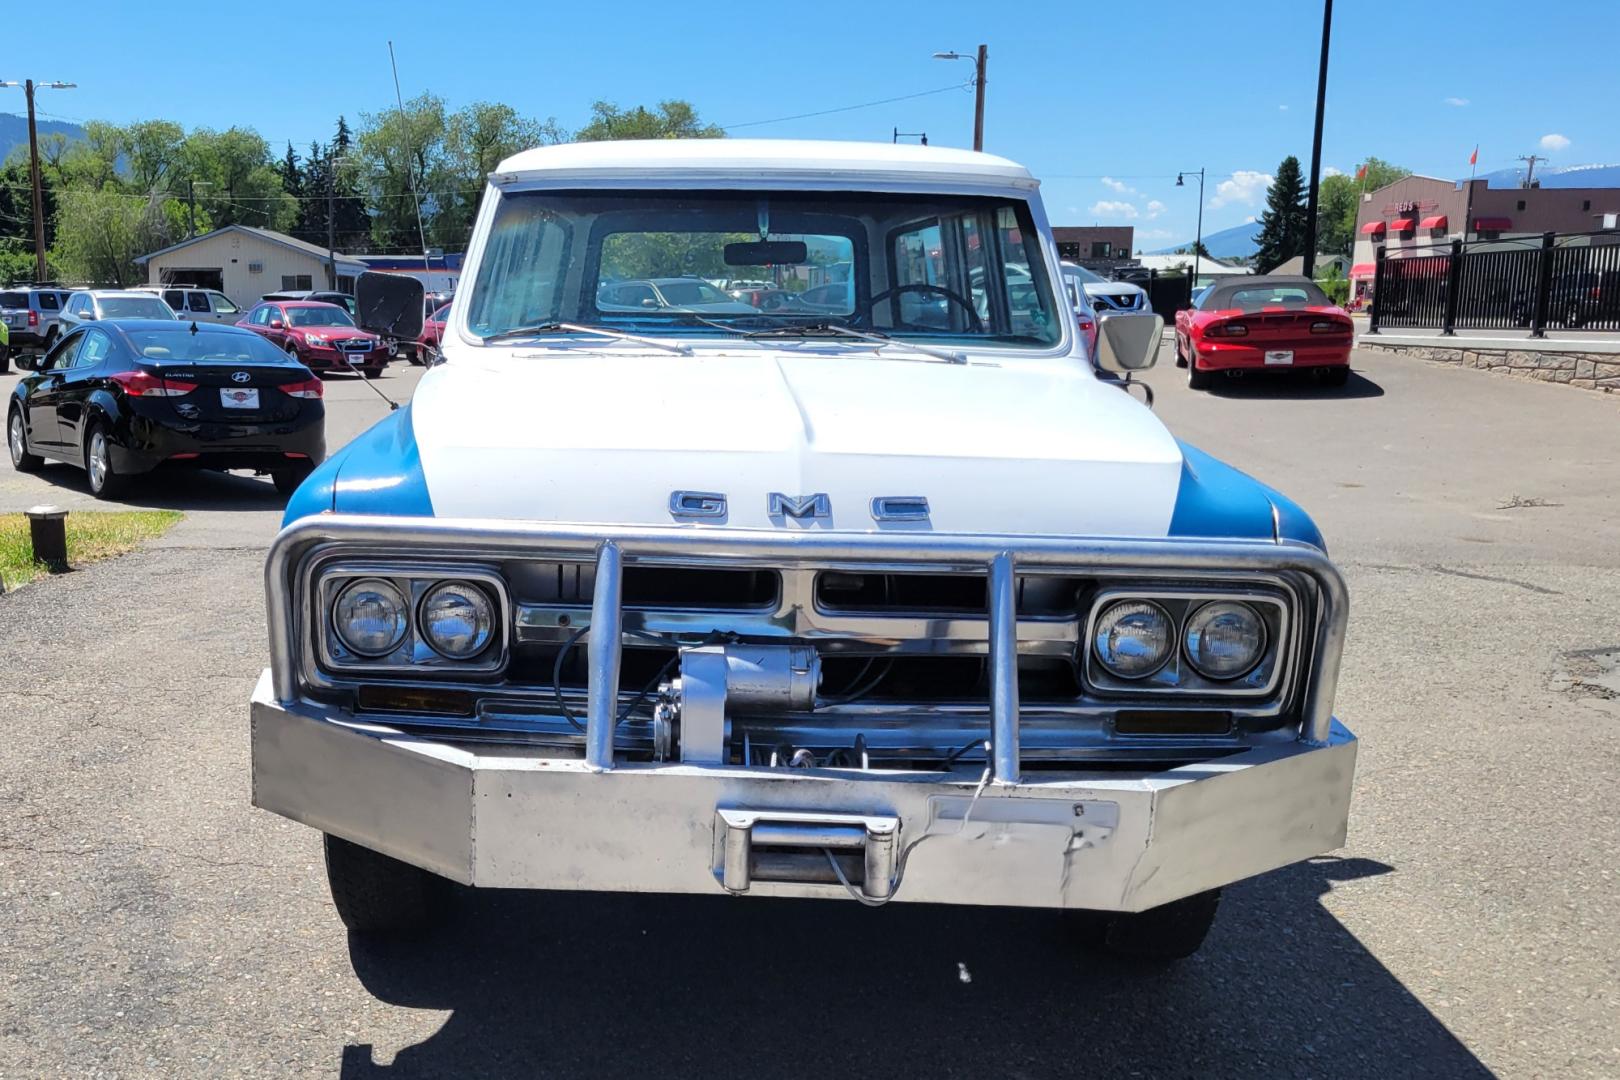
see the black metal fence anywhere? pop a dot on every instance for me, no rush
(1570, 282)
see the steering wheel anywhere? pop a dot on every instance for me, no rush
(974, 323)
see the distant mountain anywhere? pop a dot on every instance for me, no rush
(14, 132)
(1234, 243)
(1557, 176)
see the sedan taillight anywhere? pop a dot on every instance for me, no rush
(1328, 326)
(145, 384)
(1227, 329)
(310, 388)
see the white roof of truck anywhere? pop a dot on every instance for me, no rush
(746, 162)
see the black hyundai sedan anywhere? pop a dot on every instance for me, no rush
(126, 396)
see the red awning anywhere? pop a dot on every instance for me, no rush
(1373, 227)
(1492, 224)
(1436, 222)
(1402, 224)
(1361, 270)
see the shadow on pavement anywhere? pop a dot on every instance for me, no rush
(590, 984)
(177, 489)
(1298, 385)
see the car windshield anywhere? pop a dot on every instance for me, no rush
(442, 314)
(134, 307)
(326, 315)
(947, 268)
(216, 345)
(1275, 296)
(1087, 276)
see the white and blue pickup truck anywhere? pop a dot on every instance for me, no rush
(883, 591)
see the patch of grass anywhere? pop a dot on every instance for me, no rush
(91, 535)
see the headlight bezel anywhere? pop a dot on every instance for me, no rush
(1177, 677)
(414, 656)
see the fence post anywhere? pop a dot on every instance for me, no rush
(1378, 288)
(1544, 269)
(1448, 321)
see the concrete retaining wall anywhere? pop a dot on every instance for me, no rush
(1590, 371)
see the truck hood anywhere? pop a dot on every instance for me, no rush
(577, 435)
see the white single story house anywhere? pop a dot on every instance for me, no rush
(245, 263)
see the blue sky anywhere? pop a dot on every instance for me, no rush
(1104, 102)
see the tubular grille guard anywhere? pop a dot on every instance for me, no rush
(999, 558)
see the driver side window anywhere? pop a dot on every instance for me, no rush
(61, 357)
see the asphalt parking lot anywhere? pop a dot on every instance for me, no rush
(153, 923)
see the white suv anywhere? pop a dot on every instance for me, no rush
(91, 305)
(197, 305)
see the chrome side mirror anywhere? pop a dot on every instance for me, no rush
(1128, 342)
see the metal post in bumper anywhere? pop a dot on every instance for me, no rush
(605, 649)
(1003, 605)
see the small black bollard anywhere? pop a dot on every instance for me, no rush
(47, 529)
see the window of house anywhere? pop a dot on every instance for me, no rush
(1102, 249)
(290, 282)
(1521, 204)
(1586, 204)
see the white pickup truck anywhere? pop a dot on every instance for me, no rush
(892, 596)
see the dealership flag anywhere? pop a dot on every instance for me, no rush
(1473, 159)
(1361, 173)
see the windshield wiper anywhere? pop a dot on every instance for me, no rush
(832, 329)
(599, 331)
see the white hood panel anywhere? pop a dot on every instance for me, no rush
(1031, 447)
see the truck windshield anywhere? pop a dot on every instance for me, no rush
(946, 268)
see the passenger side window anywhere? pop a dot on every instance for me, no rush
(49, 301)
(198, 301)
(175, 299)
(222, 303)
(61, 357)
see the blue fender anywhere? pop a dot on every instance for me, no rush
(1220, 502)
(380, 472)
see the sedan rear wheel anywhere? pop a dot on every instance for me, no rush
(17, 437)
(105, 481)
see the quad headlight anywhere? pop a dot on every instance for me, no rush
(457, 620)
(1224, 639)
(1133, 638)
(371, 617)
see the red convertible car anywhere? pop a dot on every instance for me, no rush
(1264, 324)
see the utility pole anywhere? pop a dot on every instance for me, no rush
(979, 65)
(331, 224)
(29, 86)
(191, 205)
(1308, 256)
(1198, 241)
(1529, 172)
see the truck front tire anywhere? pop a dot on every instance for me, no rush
(1173, 931)
(379, 896)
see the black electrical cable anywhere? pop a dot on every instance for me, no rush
(956, 754)
(635, 702)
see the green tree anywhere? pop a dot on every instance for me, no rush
(669, 120)
(1338, 199)
(1282, 224)
(1195, 248)
(100, 233)
(243, 184)
(477, 138)
(153, 155)
(402, 149)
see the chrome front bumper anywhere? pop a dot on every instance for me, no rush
(511, 817)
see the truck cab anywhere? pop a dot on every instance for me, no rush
(889, 597)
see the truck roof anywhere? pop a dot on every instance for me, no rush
(751, 162)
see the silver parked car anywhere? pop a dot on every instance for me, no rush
(197, 305)
(1108, 296)
(93, 305)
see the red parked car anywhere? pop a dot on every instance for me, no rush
(427, 343)
(322, 336)
(1264, 324)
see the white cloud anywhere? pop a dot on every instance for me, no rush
(1282, 108)
(1154, 234)
(1244, 186)
(1118, 185)
(1109, 209)
(1332, 170)
(1456, 102)
(1250, 220)
(1554, 142)
(1154, 208)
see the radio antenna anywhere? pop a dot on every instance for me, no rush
(410, 170)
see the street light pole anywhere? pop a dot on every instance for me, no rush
(29, 86)
(980, 62)
(1198, 240)
(1308, 256)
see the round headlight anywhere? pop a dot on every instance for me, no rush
(1225, 639)
(457, 619)
(371, 617)
(1133, 639)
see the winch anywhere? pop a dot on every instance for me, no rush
(690, 712)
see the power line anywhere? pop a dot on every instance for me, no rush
(847, 108)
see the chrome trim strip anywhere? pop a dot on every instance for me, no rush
(606, 648)
(888, 551)
(1003, 604)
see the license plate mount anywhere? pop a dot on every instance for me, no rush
(239, 397)
(1279, 356)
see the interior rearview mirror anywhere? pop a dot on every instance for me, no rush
(1128, 342)
(767, 253)
(390, 305)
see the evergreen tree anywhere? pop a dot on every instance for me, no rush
(351, 222)
(1282, 225)
(311, 224)
(292, 181)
